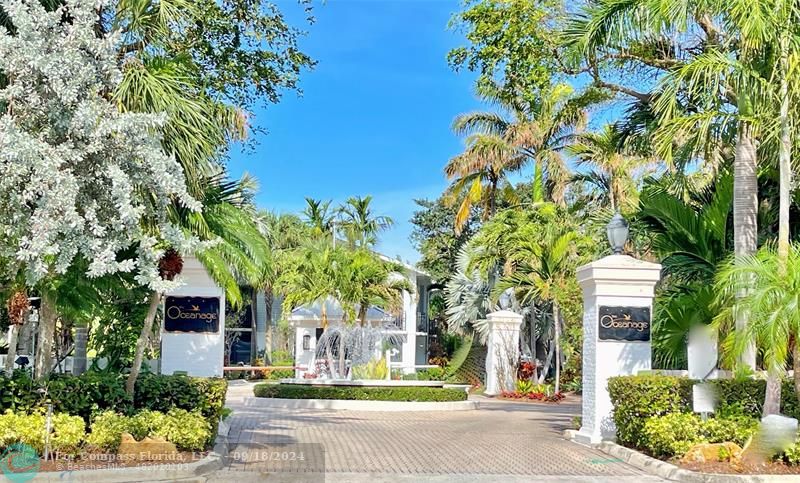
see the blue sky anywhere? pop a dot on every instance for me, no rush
(374, 116)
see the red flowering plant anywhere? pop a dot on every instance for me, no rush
(526, 370)
(528, 390)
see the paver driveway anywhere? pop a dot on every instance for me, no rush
(499, 442)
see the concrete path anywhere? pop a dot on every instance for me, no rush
(502, 441)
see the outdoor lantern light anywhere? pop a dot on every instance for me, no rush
(306, 342)
(617, 232)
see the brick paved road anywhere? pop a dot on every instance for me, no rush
(499, 442)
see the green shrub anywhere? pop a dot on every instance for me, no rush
(636, 398)
(68, 432)
(281, 358)
(277, 374)
(356, 393)
(94, 392)
(671, 434)
(146, 423)
(190, 431)
(674, 434)
(431, 374)
(106, 430)
(792, 454)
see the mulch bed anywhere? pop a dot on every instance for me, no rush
(101, 461)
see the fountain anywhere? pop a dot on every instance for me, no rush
(355, 355)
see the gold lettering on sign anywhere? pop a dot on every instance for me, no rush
(625, 322)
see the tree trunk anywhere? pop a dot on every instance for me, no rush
(557, 342)
(79, 356)
(772, 398)
(796, 364)
(13, 333)
(362, 314)
(745, 215)
(492, 197)
(784, 159)
(141, 342)
(547, 362)
(269, 299)
(533, 340)
(46, 335)
(612, 193)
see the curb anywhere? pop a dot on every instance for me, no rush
(671, 472)
(214, 461)
(388, 406)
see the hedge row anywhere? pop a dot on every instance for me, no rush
(94, 392)
(356, 393)
(636, 398)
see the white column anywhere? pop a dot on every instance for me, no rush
(502, 351)
(617, 309)
(305, 331)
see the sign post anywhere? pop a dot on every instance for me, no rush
(617, 318)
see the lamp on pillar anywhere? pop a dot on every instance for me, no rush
(617, 232)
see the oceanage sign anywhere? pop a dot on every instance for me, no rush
(624, 323)
(191, 314)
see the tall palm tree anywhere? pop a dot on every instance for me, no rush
(502, 142)
(544, 266)
(284, 234)
(319, 216)
(360, 224)
(365, 280)
(612, 170)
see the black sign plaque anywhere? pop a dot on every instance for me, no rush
(191, 314)
(624, 323)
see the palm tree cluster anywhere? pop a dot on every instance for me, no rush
(681, 116)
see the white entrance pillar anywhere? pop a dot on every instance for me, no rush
(617, 304)
(502, 351)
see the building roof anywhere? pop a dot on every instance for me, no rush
(333, 310)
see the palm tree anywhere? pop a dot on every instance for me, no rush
(365, 280)
(284, 234)
(524, 131)
(544, 266)
(361, 226)
(613, 171)
(318, 215)
(467, 298)
(771, 299)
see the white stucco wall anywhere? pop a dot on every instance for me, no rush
(198, 354)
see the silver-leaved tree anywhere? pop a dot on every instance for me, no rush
(79, 180)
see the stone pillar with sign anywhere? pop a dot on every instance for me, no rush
(617, 311)
(193, 332)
